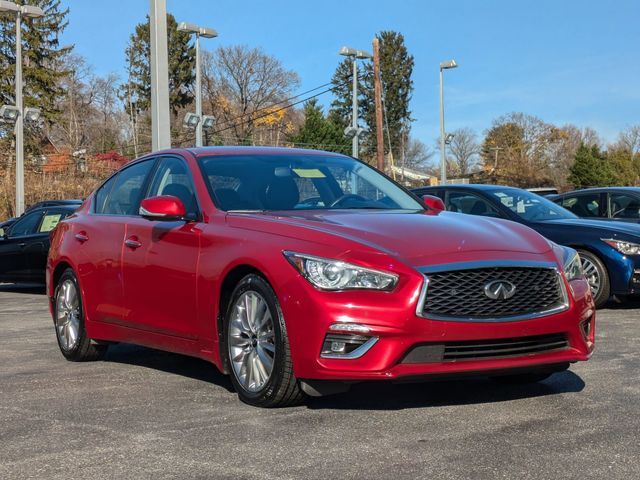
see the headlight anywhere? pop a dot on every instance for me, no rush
(572, 264)
(329, 274)
(626, 248)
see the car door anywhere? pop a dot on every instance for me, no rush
(100, 237)
(624, 207)
(160, 259)
(37, 245)
(15, 245)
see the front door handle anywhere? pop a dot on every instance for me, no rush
(22, 245)
(132, 243)
(81, 237)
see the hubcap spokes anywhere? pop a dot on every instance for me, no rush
(592, 275)
(67, 315)
(251, 341)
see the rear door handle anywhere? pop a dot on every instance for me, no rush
(22, 245)
(132, 243)
(81, 237)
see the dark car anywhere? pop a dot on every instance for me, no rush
(610, 252)
(25, 244)
(611, 203)
(46, 203)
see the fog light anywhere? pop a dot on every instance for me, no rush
(346, 346)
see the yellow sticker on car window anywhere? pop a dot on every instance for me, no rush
(309, 173)
(49, 222)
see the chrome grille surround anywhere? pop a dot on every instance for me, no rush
(562, 303)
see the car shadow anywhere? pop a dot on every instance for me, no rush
(627, 304)
(400, 396)
(29, 288)
(168, 362)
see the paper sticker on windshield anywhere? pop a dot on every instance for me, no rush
(49, 222)
(520, 207)
(309, 173)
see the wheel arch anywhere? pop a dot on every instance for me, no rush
(231, 279)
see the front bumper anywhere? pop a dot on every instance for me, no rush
(391, 318)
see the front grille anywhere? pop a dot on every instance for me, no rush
(486, 349)
(460, 294)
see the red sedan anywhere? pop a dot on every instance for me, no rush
(301, 272)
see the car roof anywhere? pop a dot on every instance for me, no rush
(469, 186)
(240, 150)
(602, 189)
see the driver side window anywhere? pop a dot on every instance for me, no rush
(470, 204)
(26, 226)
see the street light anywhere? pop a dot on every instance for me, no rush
(443, 155)
(354, 131)
(208, 122)
(206, 33)
(27, 11)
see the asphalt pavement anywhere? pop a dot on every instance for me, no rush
(145, 414)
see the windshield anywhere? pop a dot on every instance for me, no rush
(300, 182)
(529, 206)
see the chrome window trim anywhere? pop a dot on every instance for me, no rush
(490, 264)
(357, 353)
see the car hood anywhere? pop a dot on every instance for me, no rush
(409, 235)
(605, 226)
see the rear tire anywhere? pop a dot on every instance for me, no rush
(597, 276)
(68, 320)
(257, 346)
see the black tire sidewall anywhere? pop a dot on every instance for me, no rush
(605, 287)
(253, 282)
(73, 352)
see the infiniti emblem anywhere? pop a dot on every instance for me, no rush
(499, 290)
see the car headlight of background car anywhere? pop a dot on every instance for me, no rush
(624, 247)
(328, 274)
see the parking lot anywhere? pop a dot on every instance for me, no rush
(148, 414)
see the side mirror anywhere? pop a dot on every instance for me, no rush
(434, 203)
(165, 207)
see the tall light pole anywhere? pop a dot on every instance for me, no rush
(206, 33)
(443, 154)
(27, 11)
(159, 66)
(354, 130)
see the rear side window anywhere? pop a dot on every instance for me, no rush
(27, 225)
(624, 206)
(49, 222)
(124, 198)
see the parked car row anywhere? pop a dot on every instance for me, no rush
(610, 252)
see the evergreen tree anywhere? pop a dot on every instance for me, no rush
(320, 132)
(181, 67)
(591, 168)
(342, 104)
(41, 57)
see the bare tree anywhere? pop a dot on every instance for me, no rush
(417, 154)
(464, 151)
(629, 139)
(240, 86)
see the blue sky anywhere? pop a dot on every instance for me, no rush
(565, 61)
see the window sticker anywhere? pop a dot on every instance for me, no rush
(309, 173)
(49, 222)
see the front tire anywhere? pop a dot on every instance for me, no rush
(257, 346)
(596, 273)
(68, 319)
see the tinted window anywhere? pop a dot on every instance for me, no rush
(299, 182)
(529, 206)
(583, 205)
(469, 203)
(27, 225)
(172, 178)
(624, 206)
(101, 195)
(125, 195)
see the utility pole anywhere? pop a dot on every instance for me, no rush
(377, 87)
(159, 63)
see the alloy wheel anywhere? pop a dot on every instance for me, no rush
(592, 275)
(68, 314)
(251, 340)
